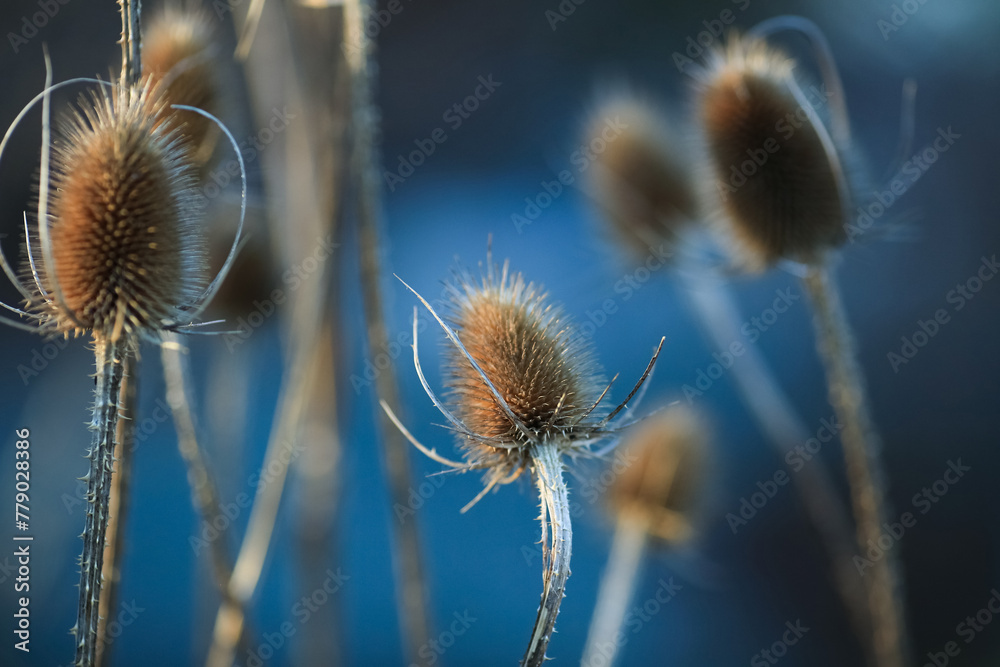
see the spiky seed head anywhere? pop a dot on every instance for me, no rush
(775, 172)
(544, 370)
(639, 181)
(179, 58)
(123, 220)
(663, 478)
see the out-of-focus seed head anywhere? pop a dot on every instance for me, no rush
(776, 175)
(123, 220)
(639, 180)
(663, 477)
(179, 56)
(544, 370)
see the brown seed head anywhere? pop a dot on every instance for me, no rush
(542, 368)
(123, 215)
(638, 180)
(775, 171)
(663, 480)
(179, 58)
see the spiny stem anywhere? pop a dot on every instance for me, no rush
(616, 591)
(117, 508)
(556, 527)
(131, 42)
(412, 595)
(110, 357)
(864, 467)
(784, 430)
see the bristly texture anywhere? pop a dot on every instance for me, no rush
(663, 483)
(544, 370)
(123, 221)
(178, 56)
(775, 170)
(639, 180)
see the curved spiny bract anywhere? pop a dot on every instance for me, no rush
(776, 176)
(544, 370)
(123, 214)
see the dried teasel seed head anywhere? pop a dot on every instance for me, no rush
(123, 211)
(638, 180)
(544, 370)
(775, 172)
(663, 478)
(179, 58)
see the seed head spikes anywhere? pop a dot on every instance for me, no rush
(638, 181)
(777, 178)
(117, 250)
(178, 52)
(523, 390)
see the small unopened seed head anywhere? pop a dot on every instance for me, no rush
(662, 483)
(545, 371)
(123, 211)
(179, 58)
(775, 172)
(639, 180)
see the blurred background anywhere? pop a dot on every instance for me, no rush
(547, 63)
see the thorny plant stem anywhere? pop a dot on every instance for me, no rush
(131, 42)
(117, 509)
(864, 467)
(110, 357)
(784, 431)
(616, 591)
(412, 589)
(557, 545)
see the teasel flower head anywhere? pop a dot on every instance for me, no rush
(639, 181)
(179, 56)
(117, 249)
(524, 390)
(663, 484)
(776, 176)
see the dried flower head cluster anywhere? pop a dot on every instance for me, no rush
(123, 212)
(536, 360)
(639, 181)
(774, 168)
(663, 482)
(178, 56)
